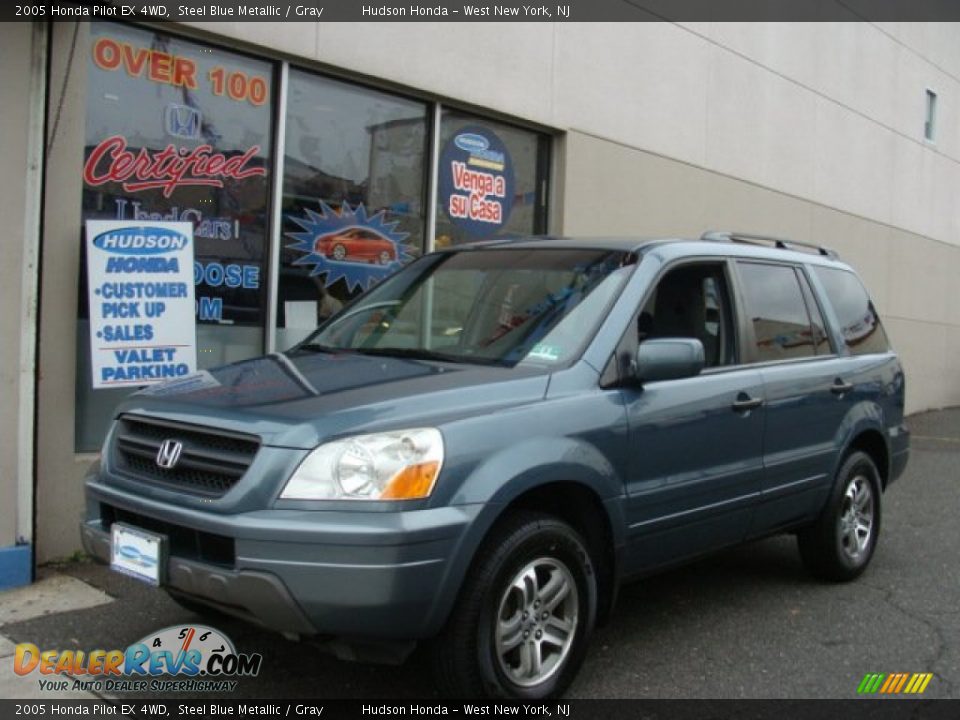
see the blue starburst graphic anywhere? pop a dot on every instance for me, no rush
(349, 245)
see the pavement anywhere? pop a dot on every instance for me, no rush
(745, 623)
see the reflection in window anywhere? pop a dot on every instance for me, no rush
(817, 326)
(353, 196)
(775, 305)
(859, 321)
(505, 304)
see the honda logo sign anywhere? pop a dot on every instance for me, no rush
(183, 121)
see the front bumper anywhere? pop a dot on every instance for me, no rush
(365, 575)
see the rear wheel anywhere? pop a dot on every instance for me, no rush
(526, 611)
(840, 545)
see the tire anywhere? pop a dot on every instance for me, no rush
(339, 252)
(841, 543)
(531, 562)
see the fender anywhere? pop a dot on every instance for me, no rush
(528, 464)
(865, 415)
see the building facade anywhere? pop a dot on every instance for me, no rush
(312, 159)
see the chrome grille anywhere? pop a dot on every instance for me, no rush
(212, 460)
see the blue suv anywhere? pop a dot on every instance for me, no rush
(477, 452)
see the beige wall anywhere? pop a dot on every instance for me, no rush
(14, 76)
(830, 112)
(614, 189)
(59, 471)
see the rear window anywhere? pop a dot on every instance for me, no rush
(859, 322)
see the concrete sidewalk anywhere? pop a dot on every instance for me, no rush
(52, 594)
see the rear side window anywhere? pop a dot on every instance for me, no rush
(777, 312)
(859, 323)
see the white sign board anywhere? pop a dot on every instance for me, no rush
(140, 290)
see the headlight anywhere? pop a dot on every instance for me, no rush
(401, 465)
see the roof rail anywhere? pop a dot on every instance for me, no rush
(780, 243)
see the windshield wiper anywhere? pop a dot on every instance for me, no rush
(424, 354)
(317, 347)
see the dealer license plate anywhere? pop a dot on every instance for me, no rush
(137, 553)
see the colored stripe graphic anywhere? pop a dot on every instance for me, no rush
(894, 683)
(870, 683)
(891, 681)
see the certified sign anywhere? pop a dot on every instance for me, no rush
(142, 314)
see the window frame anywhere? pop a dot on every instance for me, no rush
(809, 292)
(202, 42)
(930, 115)
(613, 375)
(544, 166)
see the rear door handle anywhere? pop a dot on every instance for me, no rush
(840, 387)
(744, 402)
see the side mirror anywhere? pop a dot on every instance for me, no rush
(668, 359)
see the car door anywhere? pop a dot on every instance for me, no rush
(806, 395)
(695, 444)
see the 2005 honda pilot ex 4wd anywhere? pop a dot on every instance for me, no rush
(478, 450)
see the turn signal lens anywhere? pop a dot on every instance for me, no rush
(414, 481)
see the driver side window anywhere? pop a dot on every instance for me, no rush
(692, 301)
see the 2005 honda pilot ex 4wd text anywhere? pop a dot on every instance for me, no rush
(476, 452)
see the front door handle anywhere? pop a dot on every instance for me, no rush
(744, 402)
(840, 387)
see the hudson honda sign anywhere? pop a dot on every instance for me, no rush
(141, 297)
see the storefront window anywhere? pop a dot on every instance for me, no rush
(492, 180)
(354, 189)
(154, 99)
(179, 131)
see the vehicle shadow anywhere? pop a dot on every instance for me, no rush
(651, 613)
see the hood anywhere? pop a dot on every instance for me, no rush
(299, 400)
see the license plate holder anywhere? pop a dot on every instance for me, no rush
(138, 553)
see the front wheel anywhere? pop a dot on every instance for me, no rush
(840, 544)
(526, 611)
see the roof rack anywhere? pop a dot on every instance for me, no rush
(780, 243)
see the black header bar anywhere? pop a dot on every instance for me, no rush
(176, 708)
(483, 10)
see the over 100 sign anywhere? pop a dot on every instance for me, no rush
(140, 289)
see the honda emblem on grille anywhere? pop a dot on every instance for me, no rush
(169, 454)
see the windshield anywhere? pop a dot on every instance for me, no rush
(493, 306)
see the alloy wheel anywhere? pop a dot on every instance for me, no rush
(536, 622)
